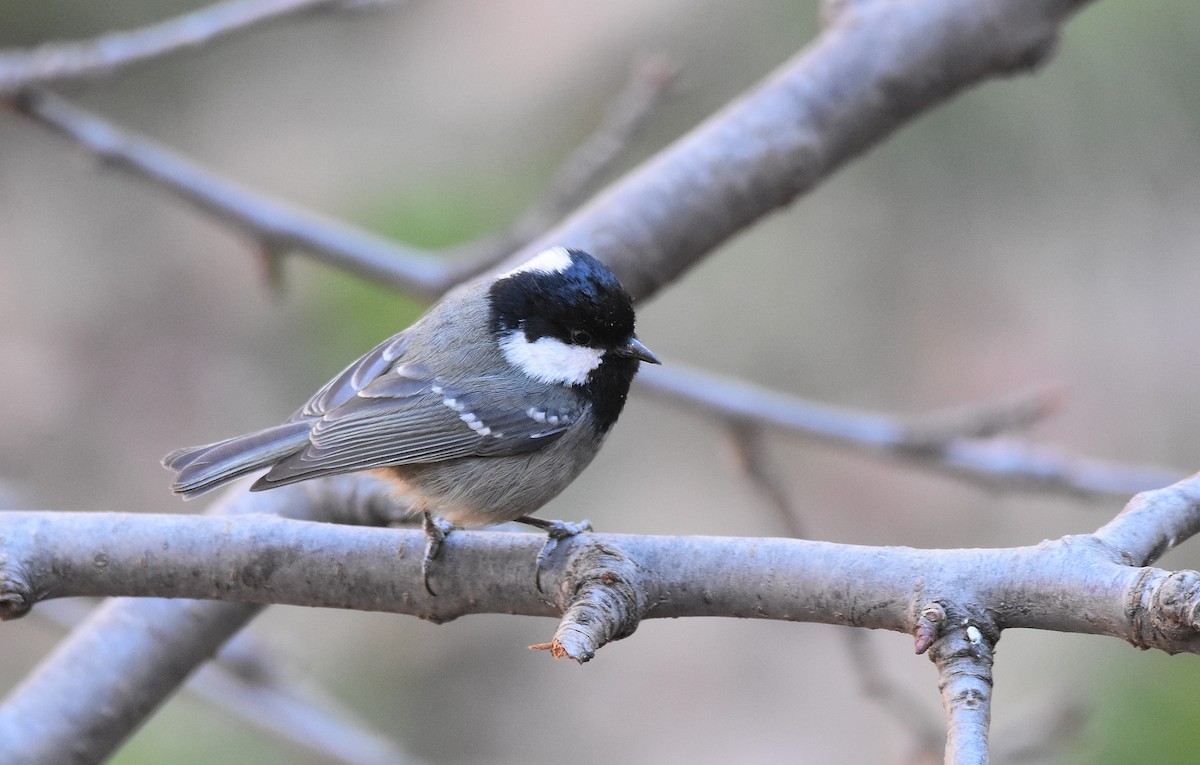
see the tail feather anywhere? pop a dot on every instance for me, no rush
(203, 468)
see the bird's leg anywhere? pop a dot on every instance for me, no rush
(435, 530)
(556, 531)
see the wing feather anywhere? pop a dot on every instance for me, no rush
(405, 416)
(354, 378)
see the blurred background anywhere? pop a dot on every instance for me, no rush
(1042, 229)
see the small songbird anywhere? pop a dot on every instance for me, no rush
(481, 412)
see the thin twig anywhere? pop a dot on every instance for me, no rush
(1043, 734)
(273, 224)
(278, 227)
(61, 61)
(996, 464)
(895, 700)
(580, 175)
(749, 451)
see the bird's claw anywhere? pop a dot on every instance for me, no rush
(436, 530)
(556, 531)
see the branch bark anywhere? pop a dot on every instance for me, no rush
(1074, 584)
(102, 682)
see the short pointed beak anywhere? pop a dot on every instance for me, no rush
(640, 352)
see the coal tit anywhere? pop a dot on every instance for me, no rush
(480, 412)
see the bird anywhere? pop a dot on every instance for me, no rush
(479, 413)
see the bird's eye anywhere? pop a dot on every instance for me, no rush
(580, 336)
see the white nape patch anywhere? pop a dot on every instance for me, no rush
(549, 360)
(552, 261)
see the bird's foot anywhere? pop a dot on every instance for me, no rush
(556, 531)
(436, 530)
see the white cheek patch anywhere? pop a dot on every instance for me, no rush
(550, 360)
(552, 261)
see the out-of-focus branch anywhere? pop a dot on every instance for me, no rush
(897, 701)
(957, 450)
(580, 175)
(278, 227)
(1042, 734)
(256, 687)
(749, 451)
(62, 61)
(274, 224)
(878, 65)
(296, 712)
(875, 67)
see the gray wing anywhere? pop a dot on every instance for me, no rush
(354, 378)
(407, 417)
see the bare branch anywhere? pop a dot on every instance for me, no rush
(112, 672)
(275, 225)
(964, 660)
(874, 69)
(893, 699)
(995, 464)
(59, 62)
(254, 686)
(1075, 584)
(278, 228)
(1155, 522)
(580, 175)
(103, 681)
(878, 65)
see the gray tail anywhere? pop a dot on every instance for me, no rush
(204, 468)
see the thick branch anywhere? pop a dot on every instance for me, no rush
(58, 62)
(1075, 584)
(1155, 522)
(117, 667)
(878, 65)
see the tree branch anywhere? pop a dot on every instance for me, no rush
(1074, 584)
(878, 65)
(996, 464)
(277, 227)
(964, 661)
(1154, 523)
(579, 176)
(254, 685)
(60, 62)
(274, 224)
(116, 668)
